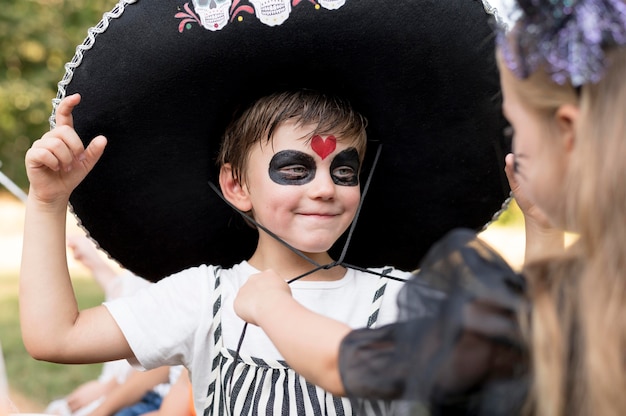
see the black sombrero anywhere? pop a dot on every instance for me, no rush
(162, 78)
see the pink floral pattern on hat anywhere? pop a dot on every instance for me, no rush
(214, 15)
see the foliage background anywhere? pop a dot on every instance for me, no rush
(39, 381)
(37, 38)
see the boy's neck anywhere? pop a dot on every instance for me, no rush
(289, 265)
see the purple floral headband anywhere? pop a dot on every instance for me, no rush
(568, 37)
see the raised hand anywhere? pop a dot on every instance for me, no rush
(542, 238)
(529, 209)
(58, 161)
(53, 328)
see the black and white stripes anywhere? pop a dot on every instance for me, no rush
(254, 386)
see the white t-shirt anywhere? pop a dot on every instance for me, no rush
(172, 321)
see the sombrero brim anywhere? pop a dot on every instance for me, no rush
(161, 88)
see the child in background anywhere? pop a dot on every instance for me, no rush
(179, 400)
(142, 393)
(305, 194)
(562, 73)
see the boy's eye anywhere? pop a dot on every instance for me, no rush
(345, 175)
(344, 168)
(294, 172)
(291, 167)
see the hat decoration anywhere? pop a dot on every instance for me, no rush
(567, 37)
(161, 79)
(214, 15)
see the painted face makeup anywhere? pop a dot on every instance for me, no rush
(344, 169)
(292, 167)
(323, 147)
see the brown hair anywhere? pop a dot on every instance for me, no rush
(327, 113)
(577, 328)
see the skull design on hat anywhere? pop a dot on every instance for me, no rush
(332, 4)
(272, 12)
(214, 14)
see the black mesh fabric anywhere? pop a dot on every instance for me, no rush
(457, 348)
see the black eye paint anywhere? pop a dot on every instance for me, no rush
(291, 167)
(344, 169)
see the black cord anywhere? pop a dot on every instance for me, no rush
(318, 266)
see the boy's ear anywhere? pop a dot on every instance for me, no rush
(566, 118)
(233, 191)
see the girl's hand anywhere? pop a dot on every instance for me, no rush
(542, 238)
(531, 212)
(260, 293)
(58, 162)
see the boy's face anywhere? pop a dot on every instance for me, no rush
(305, 191)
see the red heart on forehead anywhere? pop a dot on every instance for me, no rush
(323, 147)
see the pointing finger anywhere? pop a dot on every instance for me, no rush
(64, 110)
(92, 153)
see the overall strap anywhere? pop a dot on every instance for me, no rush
(214, 392)
(378, 299)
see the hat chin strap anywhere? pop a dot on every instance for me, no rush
(318, 266)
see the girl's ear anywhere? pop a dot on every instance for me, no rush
(566, 118)
(233, 191)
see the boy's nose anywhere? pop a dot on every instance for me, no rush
(322, 186)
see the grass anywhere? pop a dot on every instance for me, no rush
(41, 382)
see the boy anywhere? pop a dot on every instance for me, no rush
(292, 162)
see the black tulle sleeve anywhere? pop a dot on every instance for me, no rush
(464, 354)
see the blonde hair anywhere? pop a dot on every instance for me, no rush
(577, 327)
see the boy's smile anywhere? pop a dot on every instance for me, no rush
(305, 191)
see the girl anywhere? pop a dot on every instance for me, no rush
(567, 79)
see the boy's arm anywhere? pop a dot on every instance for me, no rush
(85, 251)
(53, 329)
(309, 342)
(542, 239)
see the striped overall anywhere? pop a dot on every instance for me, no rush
(257, 386)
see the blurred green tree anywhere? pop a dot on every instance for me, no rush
(37, 37)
